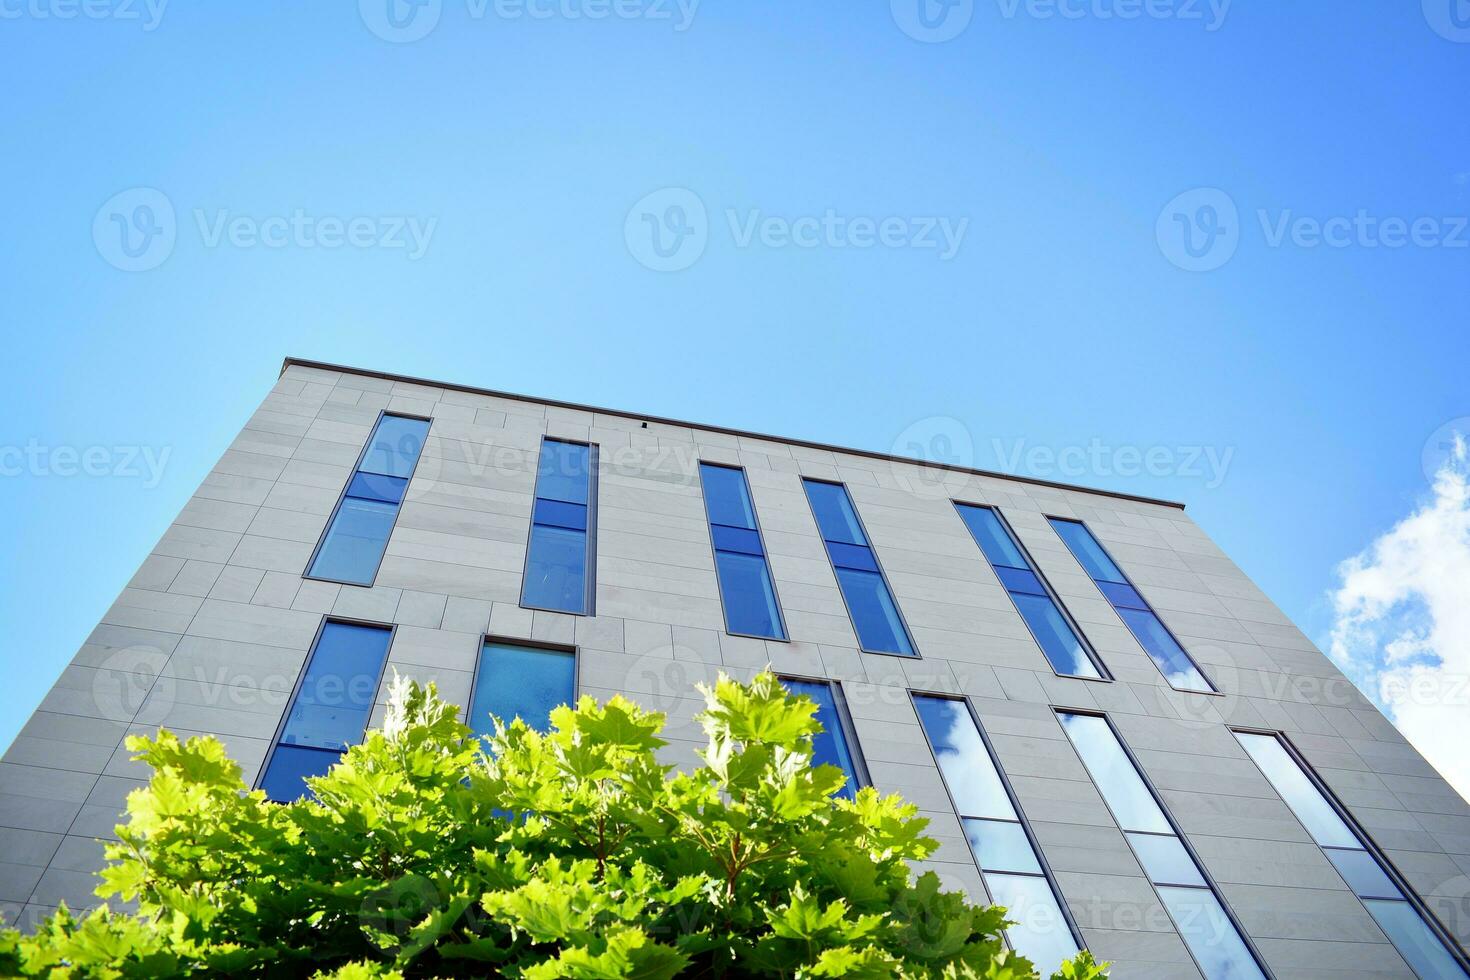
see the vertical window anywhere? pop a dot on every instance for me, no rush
(836, 743)
(1138, 615)
(522, 682)
(1033, 598)
(746, 588)
(875, 616)
(559, 556)
(330, 708)
(1009, 860)
(1208, 929)
(352, 546)
(1345, 845)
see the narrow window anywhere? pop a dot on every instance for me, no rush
(515, 681)
(836, 743)
(875, 616)
(559, 556)
(1200, 915)
(746, 588)
(1011, 864)
(1138, 615)
(1063, 645)
(1386, 896)
(330, 708)
(352, 546)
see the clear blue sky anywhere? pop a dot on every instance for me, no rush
(1060, 321)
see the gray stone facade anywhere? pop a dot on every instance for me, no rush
(212, 631)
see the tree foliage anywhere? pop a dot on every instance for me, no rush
(575, 853)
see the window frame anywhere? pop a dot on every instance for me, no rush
(844, 718)
(511, 641)
(342, 497)
(1409, 893)
(589, 574)
(882, 573)
(709, 527)
(1107, 676)
(1210, 884)
(321, 627)
(1214, 690)
(1047, 873)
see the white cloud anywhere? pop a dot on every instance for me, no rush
(1402, 627)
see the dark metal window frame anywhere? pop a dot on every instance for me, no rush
(356, 468)
(1178, 834)
(514, 641)
(1409, 894)
(882, 573)
(709, 526)
(1214, 690)
(1087, 647)
(589, 577)
(316, 637)
(844, 718)
(1010, 791)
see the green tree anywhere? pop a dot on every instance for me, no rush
(575, 853)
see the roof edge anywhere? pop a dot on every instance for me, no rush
(806, 443)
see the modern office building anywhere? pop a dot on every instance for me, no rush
(1110, 728)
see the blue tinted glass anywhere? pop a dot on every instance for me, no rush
(1364, 875)
(556, 570)
(1165, 860)
(563, 471)
(1415, 941)
(991, 536)
(874, 615)
(1297, 789)
(284, 779)
(829, 746)
(1019, 580)
(968, 769)
(354, 543)
(557, 514)
(345, 666)
(1041, 933)
(1054, 635)
(1122, 595)
(736, 539)
(1112, 772)
(1164, 650)
(1087, 551)
(726, 497)
(1000, 845)
(852, 556)
(325, 726)
(395, 446)
(1210, 935)
(835, 516)
(750, 599)
(520, 682)
(373, 486)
